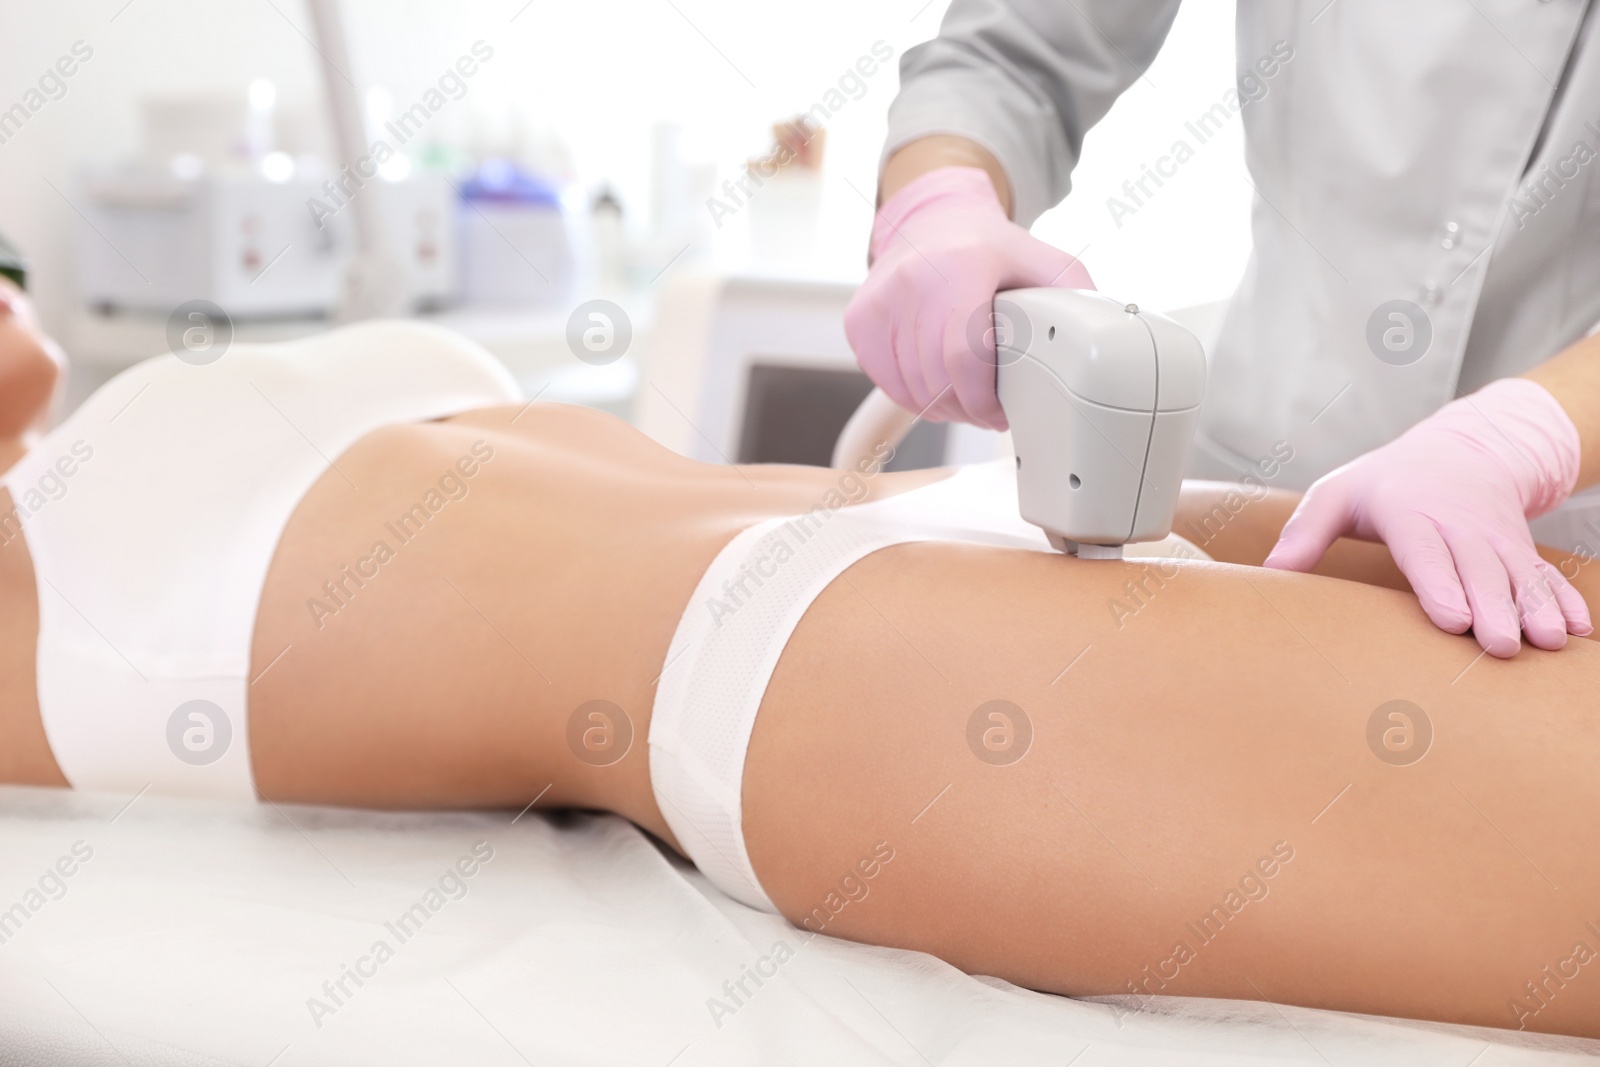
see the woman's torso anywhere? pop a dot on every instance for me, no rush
(446, 596)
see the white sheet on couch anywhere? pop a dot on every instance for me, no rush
(198, 933)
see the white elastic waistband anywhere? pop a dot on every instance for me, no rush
(729, 639)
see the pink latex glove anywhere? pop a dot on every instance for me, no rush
(1452, 497)
(941, 248)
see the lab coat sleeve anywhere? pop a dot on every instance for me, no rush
(1026, 79)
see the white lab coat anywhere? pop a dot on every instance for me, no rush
(1441, 152)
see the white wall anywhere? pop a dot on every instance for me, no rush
(1189, 242)
(597, 75)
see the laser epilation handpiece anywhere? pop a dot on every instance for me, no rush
(1103, 399)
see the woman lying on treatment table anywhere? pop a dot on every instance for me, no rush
(360, 571)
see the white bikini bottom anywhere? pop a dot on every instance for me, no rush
(747, 604)
(152, 513)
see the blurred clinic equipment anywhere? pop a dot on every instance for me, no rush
(206, 224)
(519, 247)
(756, 369)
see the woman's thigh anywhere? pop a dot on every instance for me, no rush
(1185, 779)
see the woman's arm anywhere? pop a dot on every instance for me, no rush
(1234, 526)
(31, 364)
(1451, 497)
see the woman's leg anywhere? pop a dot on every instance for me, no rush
(1205, 780)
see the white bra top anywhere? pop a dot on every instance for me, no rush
(152, 514)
